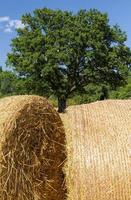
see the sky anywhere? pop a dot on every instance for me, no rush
(119, 12)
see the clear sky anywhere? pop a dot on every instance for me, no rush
(119, 12)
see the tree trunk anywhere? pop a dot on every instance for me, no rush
(61, 104)
(104, 95)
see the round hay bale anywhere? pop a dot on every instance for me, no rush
(99, 150)
(32, 150)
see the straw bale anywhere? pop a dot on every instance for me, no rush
(32, 150)
(99, 150)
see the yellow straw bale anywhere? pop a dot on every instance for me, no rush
(99, 150)
(32, 150)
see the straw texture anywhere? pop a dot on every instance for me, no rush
(32, 150)
(99, 150)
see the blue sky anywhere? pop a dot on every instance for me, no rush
(119, 12)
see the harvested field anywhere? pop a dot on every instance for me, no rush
(99, 150)
(32, 150)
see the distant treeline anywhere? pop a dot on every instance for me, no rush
(11, 84)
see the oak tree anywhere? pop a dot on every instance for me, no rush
(60, 53)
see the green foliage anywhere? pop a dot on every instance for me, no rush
(53, 100)
(60, 53)
(6, 83)
(122, 92)
(11, 84)
(92, 93)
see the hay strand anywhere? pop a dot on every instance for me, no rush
(32, 150)
(99, 151)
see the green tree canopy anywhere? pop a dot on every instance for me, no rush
(122, 92)
(7, 84)
(60, 53)
(11, 84)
